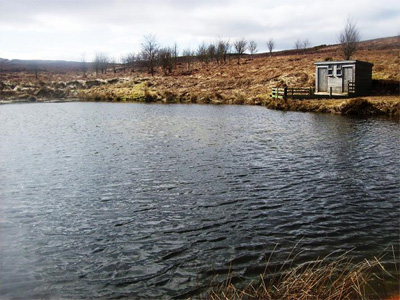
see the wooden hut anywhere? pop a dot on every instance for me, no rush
(343, 78)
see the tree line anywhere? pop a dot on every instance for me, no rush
(153, 56)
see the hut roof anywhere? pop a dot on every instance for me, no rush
(342, 62)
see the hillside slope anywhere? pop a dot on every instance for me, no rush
(249, 82)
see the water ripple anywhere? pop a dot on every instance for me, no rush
(105, 200)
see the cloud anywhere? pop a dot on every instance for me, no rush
(117, 26)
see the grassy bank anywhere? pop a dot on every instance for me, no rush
(366, 106)
(148, 89)
(145, 90)
(325, 279)
(249, 82)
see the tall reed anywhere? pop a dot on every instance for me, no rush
(326, 279)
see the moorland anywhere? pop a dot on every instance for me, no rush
(248, 80)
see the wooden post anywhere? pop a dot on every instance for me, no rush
(330, 91)
(285, 93)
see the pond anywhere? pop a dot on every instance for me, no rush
(134, 200)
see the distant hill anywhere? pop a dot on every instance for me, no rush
(62, 66)
(19, 65)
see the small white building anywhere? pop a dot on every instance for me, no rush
(343, 78)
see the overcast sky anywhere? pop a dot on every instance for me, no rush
(64, 29)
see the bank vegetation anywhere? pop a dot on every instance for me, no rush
(213, 74)
(324, 279)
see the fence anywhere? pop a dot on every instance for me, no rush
(296, 92)
(351, 87)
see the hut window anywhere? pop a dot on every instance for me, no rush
(330, 71)
(338, 70)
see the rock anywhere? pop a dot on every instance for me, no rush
(60, 85)
(45, 93)
(92, 83)
(113, 81)
(8, 93)
(58, 94)
(23, 96)
(76, 84)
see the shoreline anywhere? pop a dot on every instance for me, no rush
(387, 106)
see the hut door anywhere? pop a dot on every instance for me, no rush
(347, 76)
(322, 79)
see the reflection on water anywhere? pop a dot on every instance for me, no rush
(112, 200)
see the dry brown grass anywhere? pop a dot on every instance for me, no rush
(325, 279)
(250, 82)
(365, 106)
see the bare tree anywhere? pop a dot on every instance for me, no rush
(227, 49)
(253, 48)
(101, 61)
(240, 48)
(123, 61)
(270, 45)
(187, 56)
(166, 59)
(222, 51)
(306, 44)
(349, 39)
(149, 53)
(201, 52)
(298, 44)
(130, 60)
(175, 54)
(96, 63)
(113, 63)
(211, 52)
(105, 60)
(83, 64)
